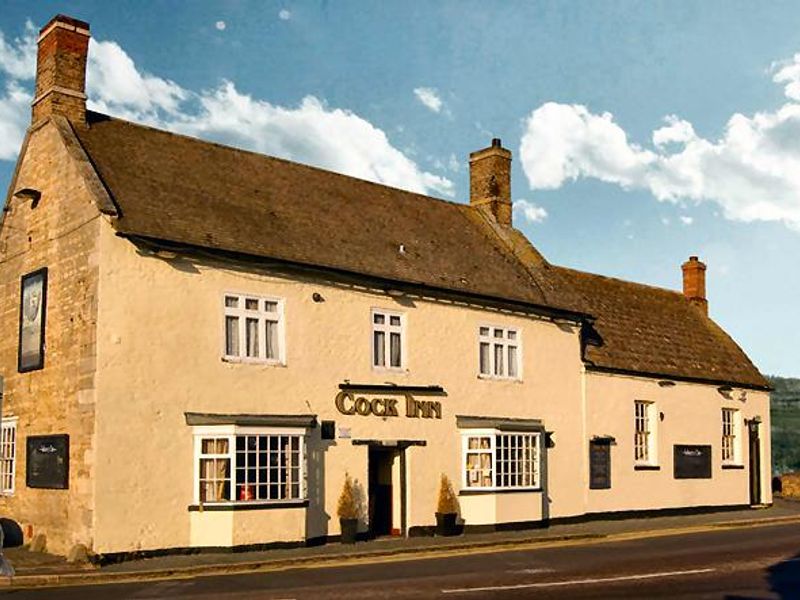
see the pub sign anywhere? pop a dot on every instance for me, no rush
(47, 461)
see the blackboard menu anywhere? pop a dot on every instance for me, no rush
(47, 461)
(692, 462)
(599, 464)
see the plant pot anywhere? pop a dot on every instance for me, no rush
(349, 530)
(446, 524)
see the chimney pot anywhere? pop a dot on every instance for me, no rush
(490, 181)
(694, 282)
(61, 70)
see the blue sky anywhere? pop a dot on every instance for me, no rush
(642, 132)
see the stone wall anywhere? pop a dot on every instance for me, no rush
(59, 232)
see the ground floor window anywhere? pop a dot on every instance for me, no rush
(501, 460)
(731, 454)
(250, 466)
(8, 454)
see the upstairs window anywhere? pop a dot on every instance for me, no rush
(388, 339)
(499, 352)
(644, 437)
(731, 451)
(254, 329)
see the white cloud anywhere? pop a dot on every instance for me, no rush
(312, 132)
(15, 111)
(429, 98)
(284, 14)
(686, 220)
(665, 221)
(220, 25)
(18, 58)
(530, 211)
(752, 172)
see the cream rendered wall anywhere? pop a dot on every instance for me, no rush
(160, 337)
(692, 415)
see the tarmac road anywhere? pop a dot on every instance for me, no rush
(755, 562)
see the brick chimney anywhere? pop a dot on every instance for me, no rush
(61, 70)
(694, 282)
(490, 181)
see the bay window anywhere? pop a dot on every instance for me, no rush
(501, 460)
(244, 465)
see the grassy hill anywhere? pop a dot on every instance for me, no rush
(785, 411)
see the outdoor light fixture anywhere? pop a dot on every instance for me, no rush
(317, 297)
(666, 383)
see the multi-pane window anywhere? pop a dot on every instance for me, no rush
(498, 352)
(253, 328)
(730, 435)
(494, 460)
(644, 439)
(387, 339)
(248, 467)
(8, 455)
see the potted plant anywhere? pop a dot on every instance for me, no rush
(446, 508)
(348, 511)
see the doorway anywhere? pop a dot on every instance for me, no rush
(383, 463)
(755, 461)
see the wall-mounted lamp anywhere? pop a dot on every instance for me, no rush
(394, 293)
(725, 391)
(666, 383)
(661, 416)
(166, 254)
(317, 297)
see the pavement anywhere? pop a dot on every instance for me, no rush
(44, 570)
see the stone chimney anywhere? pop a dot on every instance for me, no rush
(61, 70)
(490, 181)
(694, 282)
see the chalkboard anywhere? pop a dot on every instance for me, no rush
(692, 462)
(599, 465)
(47, 461)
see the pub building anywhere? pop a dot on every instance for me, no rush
(199, 343)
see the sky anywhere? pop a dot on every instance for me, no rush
(642, 132)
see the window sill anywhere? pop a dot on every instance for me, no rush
(646, 468)
(732, 466)
(394, 370)
(252, 361)
(499, 378)
(483, 492)
(248, 506)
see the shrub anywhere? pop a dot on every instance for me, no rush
(348, 500)
(448, 502)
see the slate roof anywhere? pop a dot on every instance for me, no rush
(187, 191)
(184, 190)
(650, 330)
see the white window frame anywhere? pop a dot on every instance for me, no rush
(8, 455)
(731, 430)
(262, 315)
(505, 342)
(387, 330)
(645, 454)
(231, 432)
(496, 458)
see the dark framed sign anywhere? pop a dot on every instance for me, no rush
(47, 464)
(32, 315)
(600, 464)
(692, 462)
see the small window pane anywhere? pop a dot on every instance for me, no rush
(251, 304)
(231, 301)
(485, 369)
(270, 306)
(232, 336)
(378, 319)
(484, 331)
(394, 320)
(512, 361)
(379, 350)
(272, 349)
(394, 340)
(498, 333)
(512, 335)
(251, 332)
(498, 360)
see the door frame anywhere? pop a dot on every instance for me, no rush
(754, 460)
